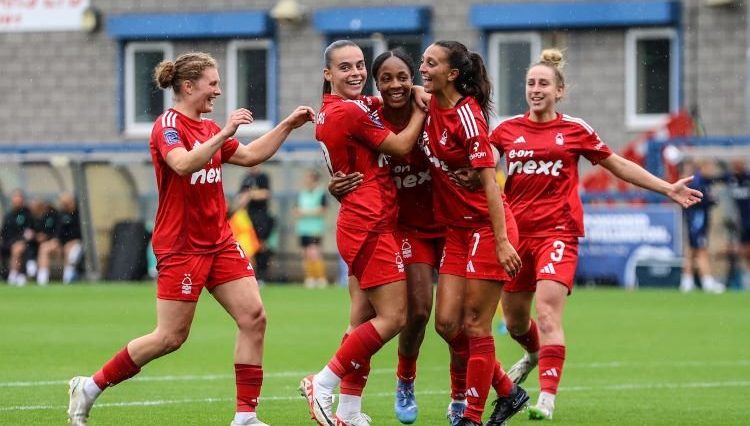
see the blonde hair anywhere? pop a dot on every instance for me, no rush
(188, 66)
(553, 58)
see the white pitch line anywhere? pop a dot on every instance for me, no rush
(614, 387)
(376, 371)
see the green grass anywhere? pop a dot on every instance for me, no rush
(633, 358)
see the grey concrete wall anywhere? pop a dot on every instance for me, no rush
(61, 87)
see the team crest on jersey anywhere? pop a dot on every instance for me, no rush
(187, 284)
(406, 248)
(444, 137)
(399, 262)
(171, 137)
(376, 120)
(559, 139)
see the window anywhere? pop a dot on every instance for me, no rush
(144, 100)
(510, 55)
(248, 84)
(650, 76)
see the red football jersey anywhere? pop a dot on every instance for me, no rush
(457, 138)
(192, 213)
(413, 180)
(350, 132)
(542, 169)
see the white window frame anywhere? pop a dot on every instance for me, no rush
(633, 120)
(379, 45)
(258, 127)
(133, 128)
(493, 44)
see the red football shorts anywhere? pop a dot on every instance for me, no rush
(183, 276)
(470, 252)
(546, 258)
(415, 248)
(373, 258)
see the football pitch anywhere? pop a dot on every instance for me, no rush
(633, 358)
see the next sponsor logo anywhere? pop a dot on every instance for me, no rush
(211, 175)
(533, 167)
(412, 179)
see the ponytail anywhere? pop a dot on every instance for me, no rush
(472, 74)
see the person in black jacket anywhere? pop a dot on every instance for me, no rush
(14, 237)
(66, 240)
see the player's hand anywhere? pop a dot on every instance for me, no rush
(421, 98)
(508, 257)
(341, 184)
(236, 119)
(300, 116)
(467, 177)
(683, 195)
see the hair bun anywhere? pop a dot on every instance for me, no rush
(552, 57)
(164, 74)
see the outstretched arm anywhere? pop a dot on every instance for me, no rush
(630, 172)
(265, 146)
(185, 162)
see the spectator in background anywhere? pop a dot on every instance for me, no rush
(258, 185)
(45, 221)
(698, 220)
(15, 235)
(65, 241)
(738, 183)
(310, 214)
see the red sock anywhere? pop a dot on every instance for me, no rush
(502, 384)
(356, 350)
(479, 375)
(249, 379)
(530, 340)
(121, 367)
(407, 368)
(354, 382)
(551, 360)
(459, 351)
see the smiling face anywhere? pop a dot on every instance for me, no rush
(347, 72)
(202, 93)
(542, 90)
(436, 70)
(394, 80)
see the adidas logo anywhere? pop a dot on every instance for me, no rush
(355, 365)
(472, 392)
(470, 267)
(520, 139)
(548, 269)
(552, 372)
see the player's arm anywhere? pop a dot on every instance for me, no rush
(341, 184)
(265, 146)
(504, 250)
(400, 144)
(185, 162)
(632, 173)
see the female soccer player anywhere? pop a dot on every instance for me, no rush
(479, 255)
(420, 237)
(192, 241)
(542, 148)
(353, 138)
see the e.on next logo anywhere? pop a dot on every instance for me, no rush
(531, 166)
